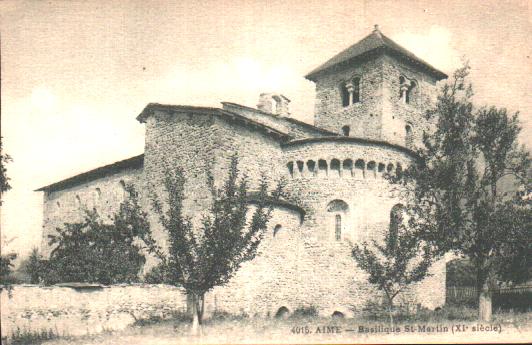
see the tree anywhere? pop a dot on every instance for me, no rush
(455, 203)
(201, 258)
(94, 250)
(33, 266)
(4, 180)
(6, 267)
(401, 261)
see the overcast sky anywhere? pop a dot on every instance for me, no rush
(76, 74)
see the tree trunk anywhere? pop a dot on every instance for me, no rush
(195, 330)
(390, 311)
(201, 309)
(484, 303)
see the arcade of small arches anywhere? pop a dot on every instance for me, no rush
(95, 196)
(342, 168)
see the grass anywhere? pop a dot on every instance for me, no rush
(29, 337)
(224, 327)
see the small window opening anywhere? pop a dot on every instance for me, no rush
(338, 227)
(356, 90)
(277, 229)
(345, 130)
(344, 94)
(282, 313)
(338, 314)
(406, 89)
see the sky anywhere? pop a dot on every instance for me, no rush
(74, 75)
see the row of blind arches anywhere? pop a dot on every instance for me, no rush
(95, 195)
(341, 168)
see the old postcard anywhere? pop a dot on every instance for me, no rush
(276, 172)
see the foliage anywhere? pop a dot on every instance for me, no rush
(399, 262)
(33, 267)
(157, 274)
(6, 267)
(308, 311)
(26, 336)
(209, 255)
(455, 202)
(4, 179)
(97, 251)
(460, 272)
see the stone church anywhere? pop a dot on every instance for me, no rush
(369, 116)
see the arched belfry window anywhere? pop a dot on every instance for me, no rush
(344, 94)
(356, 90)
(338, 209)
(407, 89)
(350, 91)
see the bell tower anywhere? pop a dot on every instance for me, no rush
(375, 90)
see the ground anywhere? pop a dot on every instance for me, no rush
(515, 327)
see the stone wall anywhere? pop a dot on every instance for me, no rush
(364, 117)
(79, 311)
(397, 113)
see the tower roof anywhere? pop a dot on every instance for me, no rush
(374, 43)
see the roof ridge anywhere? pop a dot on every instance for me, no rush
(91, 174)
(372, 43)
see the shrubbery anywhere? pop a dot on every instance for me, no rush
(96, 251)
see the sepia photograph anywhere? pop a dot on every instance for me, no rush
(265, 172)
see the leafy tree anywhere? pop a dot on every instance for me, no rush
(396, 264)
(94, 250)
(453, 188)
(6, 267)
(4, 180)
(207, 256)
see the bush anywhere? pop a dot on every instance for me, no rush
(306, 311)
(220, 315)
(97, 251)
(6, 268)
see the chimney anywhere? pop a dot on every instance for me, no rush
(274, 103)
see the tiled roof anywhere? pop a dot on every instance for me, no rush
(373, 43)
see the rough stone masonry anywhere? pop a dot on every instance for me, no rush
(369, 107)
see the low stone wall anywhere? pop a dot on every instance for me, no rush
(86, 309)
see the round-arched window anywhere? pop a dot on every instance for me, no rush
(339, 210)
